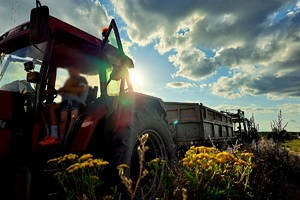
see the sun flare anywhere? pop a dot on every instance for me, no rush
(135, 80)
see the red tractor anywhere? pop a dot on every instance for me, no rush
(32, 56)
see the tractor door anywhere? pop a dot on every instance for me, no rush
(118, 62)
(114, 79)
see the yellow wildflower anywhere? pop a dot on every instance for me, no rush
(83, 165)
(122, 166)
(72, 156)
(108, 198)
(85, 157)
(54, 160)
(221, 160)
(63, 159)
(248, 154)
(94, 177)
(240, 162)
(101, 163)
(163, 161)
(57, 174)
(211, 149)
(91, 165)
(201, 149)
(156, 160)
(194, 157)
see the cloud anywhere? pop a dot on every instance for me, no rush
(259, 38)
(287, 109)
(265, 114)
(233, 87)
(275, 86)
(204, 85)
(193, 64)
(181, 85)
(252, 108)
(87, 15)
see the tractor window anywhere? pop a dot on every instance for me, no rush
(112, 39)
(62, 75)
(93, 81)
(12, 74)
(113, 88)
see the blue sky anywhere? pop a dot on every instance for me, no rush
(238, 54)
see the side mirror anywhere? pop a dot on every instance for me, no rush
(39, 24)
(33, 77)
(28, 66)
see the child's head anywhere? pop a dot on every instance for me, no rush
(73, 71)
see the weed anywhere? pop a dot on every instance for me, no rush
(79, 176)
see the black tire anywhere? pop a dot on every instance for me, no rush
(160, 142)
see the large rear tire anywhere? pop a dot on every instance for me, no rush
(160, 142)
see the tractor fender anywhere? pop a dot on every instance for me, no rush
(132, 102)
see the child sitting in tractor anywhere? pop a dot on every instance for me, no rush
(74, 92)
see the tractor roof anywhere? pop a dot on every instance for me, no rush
(72, 46)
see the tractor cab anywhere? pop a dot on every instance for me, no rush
(240, 124)
(34, 56)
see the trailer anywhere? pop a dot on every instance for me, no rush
(194, 123)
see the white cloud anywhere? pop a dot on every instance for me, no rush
(193, 64)
(252, 108)
(264, 114)
(287, 109)
(181, 85)
(204, 85)
(87, 15)
(232, 87)
(245, 36)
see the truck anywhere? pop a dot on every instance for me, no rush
(33, 58)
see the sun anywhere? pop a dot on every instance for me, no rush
(135, 80)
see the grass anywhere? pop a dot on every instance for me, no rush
(277, 172)
(293, 145)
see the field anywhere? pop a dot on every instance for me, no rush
(262, 170)
(293, 145)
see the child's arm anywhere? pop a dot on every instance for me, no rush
(64, 89)
(70, 88)
(74, 89)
